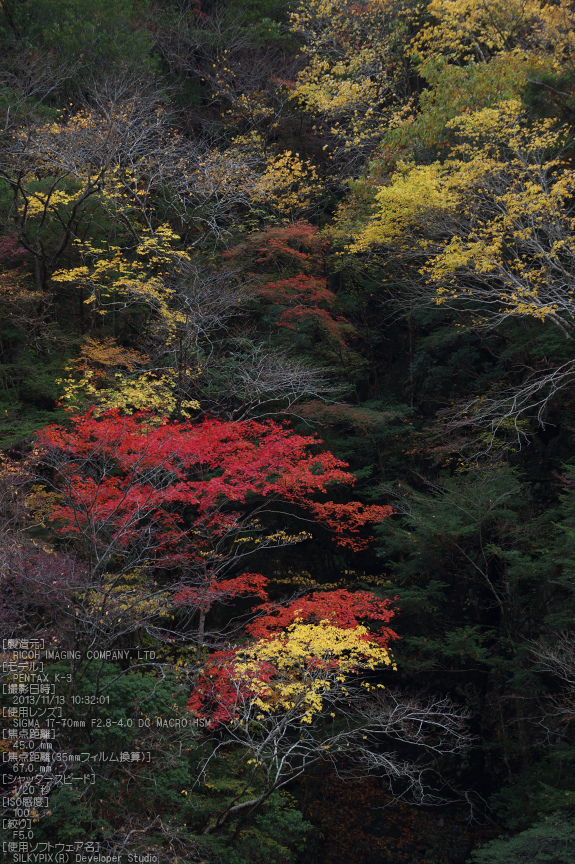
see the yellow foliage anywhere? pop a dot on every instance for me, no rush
(244, 174)
(126, 598)
(146, 391)
(140, 390)
(467, 30)
(414, 192)
(39, 202)
(288, 183)
(500, 190)
(348, 80)
(13, 290)
(117, 280)
(310, 661)
(39, 505)
(101, 166)
(455, 90)
(107, 352)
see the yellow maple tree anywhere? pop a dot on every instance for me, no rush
(348, 80)
(475, 30)
(493, 223)
(310, 662)
(109, 376)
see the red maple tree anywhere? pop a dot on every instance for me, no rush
(287, 271)
(340, 608)
(221, 693)
(192, 494)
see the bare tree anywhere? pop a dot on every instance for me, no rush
(353, 732)
(557, 658)
(251, 379)
(30, 79)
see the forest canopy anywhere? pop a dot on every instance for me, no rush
(287, 456)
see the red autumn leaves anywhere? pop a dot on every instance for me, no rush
(186, 486)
